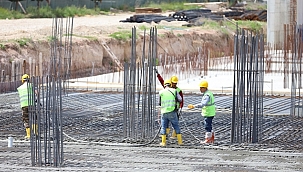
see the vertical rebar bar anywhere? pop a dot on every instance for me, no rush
(295, 32)
(248, 84)
(45, 113)
(139, 92)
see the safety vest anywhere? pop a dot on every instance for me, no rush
(178, 103)
(24, 93)
(209, 110)
(168, 100)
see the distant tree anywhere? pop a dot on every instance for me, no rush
(96, 3)
(232, 2)
(48, 2)
(38, 3)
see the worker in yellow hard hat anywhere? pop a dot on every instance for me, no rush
(168, 101)
(208, 111)
(174, 82)
(25, 92)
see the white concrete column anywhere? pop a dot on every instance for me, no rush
(299, 12)
(277, 16)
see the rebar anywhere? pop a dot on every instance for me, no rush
(247, 108)
(140, 90)
(46, 104)
(296, 33)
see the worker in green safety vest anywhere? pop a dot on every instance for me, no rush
(169, 97)
(25, 92)
(208, 111)
(174, 82)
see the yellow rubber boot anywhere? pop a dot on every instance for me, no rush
(174, 135)
(28, 133)
(163, 143)
(179, 137)
(167, 131)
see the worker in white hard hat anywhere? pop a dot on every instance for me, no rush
(208, 111)
(168, 102)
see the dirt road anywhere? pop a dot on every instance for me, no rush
(36, 29)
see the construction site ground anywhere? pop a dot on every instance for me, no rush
(93, 129)
(93, 139)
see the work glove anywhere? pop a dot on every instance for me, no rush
(190, 106)
(156, 71)
(179, 113)
(179, 110)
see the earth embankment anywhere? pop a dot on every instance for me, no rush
(25, 39)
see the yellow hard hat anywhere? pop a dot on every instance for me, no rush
(203, 84)
(167, 82)
(25, 77)
(174, 79)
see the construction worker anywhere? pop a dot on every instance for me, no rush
(25, 90)
(208, 111)
(174, 81)
(168, 102)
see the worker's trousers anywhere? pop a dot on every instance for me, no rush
(208, 123)
(169, 117)
(25, 117)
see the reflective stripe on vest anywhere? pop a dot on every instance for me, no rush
(209, 110)
(168, 100)
(24, 92)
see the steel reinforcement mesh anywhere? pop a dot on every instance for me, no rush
(98, 118)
